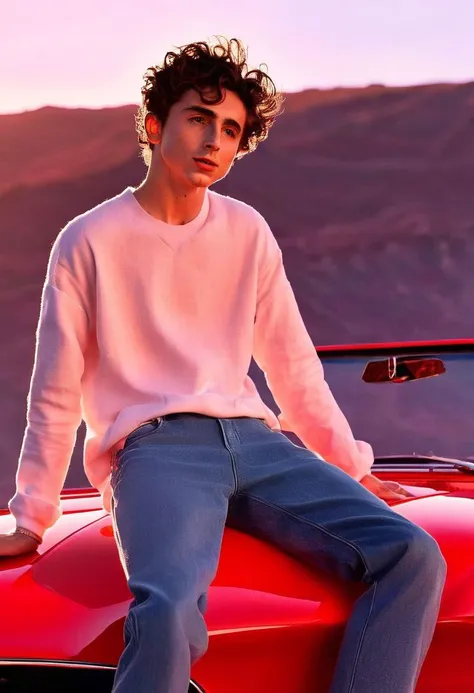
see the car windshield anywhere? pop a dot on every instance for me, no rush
(430, 416)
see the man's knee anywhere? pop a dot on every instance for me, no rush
(424, 554)
(399, 542)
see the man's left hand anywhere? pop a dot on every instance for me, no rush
(385, 490)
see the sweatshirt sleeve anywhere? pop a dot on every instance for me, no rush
(294, 373)
(54, 410)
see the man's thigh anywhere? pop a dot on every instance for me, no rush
(169, 506)
(292, 498)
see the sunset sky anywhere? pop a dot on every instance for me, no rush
(94, 53)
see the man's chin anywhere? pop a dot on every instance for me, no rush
(201, 180)
(202, 183)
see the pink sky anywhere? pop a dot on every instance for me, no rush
(94, 53)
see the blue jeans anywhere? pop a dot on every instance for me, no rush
(181, 477)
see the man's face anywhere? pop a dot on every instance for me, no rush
(196, 130)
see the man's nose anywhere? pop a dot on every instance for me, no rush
(213, 139)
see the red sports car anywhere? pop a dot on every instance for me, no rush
(275, 626)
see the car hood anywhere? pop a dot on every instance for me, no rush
(68, 600)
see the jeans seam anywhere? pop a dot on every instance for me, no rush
(316, 526)
(234, 471)
(361, 639)
(232, 460)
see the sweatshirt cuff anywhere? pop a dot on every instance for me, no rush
(33, 514)
(31, 525)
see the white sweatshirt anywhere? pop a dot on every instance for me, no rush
(140, 318)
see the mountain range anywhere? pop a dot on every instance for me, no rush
(369, 192)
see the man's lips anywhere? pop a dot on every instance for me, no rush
(205, 161)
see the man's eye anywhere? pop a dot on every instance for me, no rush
(231, 133)
(197, 118)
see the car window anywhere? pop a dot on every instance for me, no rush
(427, 416)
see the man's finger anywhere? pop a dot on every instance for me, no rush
(396, 488)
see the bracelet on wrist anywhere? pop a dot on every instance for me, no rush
(29, 533)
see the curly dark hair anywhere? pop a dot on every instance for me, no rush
(201, 66)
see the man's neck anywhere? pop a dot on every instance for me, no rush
(168, 204)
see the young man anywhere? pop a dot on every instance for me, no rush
(153, 305)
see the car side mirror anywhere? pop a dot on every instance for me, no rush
(400, 369)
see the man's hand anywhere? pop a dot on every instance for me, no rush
(16, 544)
(386, 490)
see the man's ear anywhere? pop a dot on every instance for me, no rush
(153, 128)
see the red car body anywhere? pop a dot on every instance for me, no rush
(274, 624)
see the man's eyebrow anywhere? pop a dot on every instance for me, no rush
(211, 114)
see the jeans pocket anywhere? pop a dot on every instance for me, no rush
(143, 431)
(140, 433)
(264, 423)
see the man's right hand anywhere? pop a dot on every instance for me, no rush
(16, 544)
